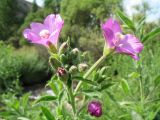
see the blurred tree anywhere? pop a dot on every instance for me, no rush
(7, 9)
(83, 18)
(34, 6)
(11, 16)
(52, 4)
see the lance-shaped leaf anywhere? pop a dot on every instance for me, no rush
(46, 98)
(151, 34)
(92, 93)
(85, 80)
(125, 86)
(47, 114)
(126, 20)
(105, 86)
(157, 80)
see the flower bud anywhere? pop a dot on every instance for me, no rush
(62, 74)
(82, 67)
(61, 71)
(51, 47)
(54, 62)
(95, 108)
(73, 69)
(63, 58)
(63, 47)
(75, 51)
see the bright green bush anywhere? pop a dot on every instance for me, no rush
(19, 108)
(9, 66)
(25, 64)
(34, 67)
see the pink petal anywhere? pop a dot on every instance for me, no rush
(109, 36)
(129, 45)
(113, 25)
(34, 38)
(37, 27)
(30, 35)
(53, 22)
(54, 37)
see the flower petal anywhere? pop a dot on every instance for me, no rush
(54, 37)
(53, 22)
(129, 45)
(113, 25)
(34, 38)
(37, 27)
(109, 36)
(30, 35)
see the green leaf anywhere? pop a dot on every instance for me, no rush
(140, 23)
(103, 70)
(85, 80)
(126, 20)
(125, 86)
(25, 100)
(60, 96)
(92, 93)
(95, 76)
(151, 34)
(105, 86)
(53, 85)
(46, 98)
(22, 118)
(134, 75)
(47, 113)
(157, 80)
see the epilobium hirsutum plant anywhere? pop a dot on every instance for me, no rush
(70, 97)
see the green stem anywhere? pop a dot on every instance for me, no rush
(97, 64)
(70, 92)
(141, 90)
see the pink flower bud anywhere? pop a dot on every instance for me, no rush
(95, 108)
(61, 71)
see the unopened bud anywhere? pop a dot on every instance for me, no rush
(95, 108)
(75, 51)
(63, 58)
(82, 67)
(73, 69)
(51, 47)
(63, 47)
(54, 62)
(62, 74)
(61, 71)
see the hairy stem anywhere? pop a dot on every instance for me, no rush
(70, 92)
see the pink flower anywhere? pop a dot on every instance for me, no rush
(46, 33)
(124, 44)
(95, 108)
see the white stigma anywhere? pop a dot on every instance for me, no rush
(44, 34)
(120, 36)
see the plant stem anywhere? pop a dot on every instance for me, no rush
(97, 64)
(70, 92)
(141, 90)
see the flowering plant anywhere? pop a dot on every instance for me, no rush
(69, 66)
